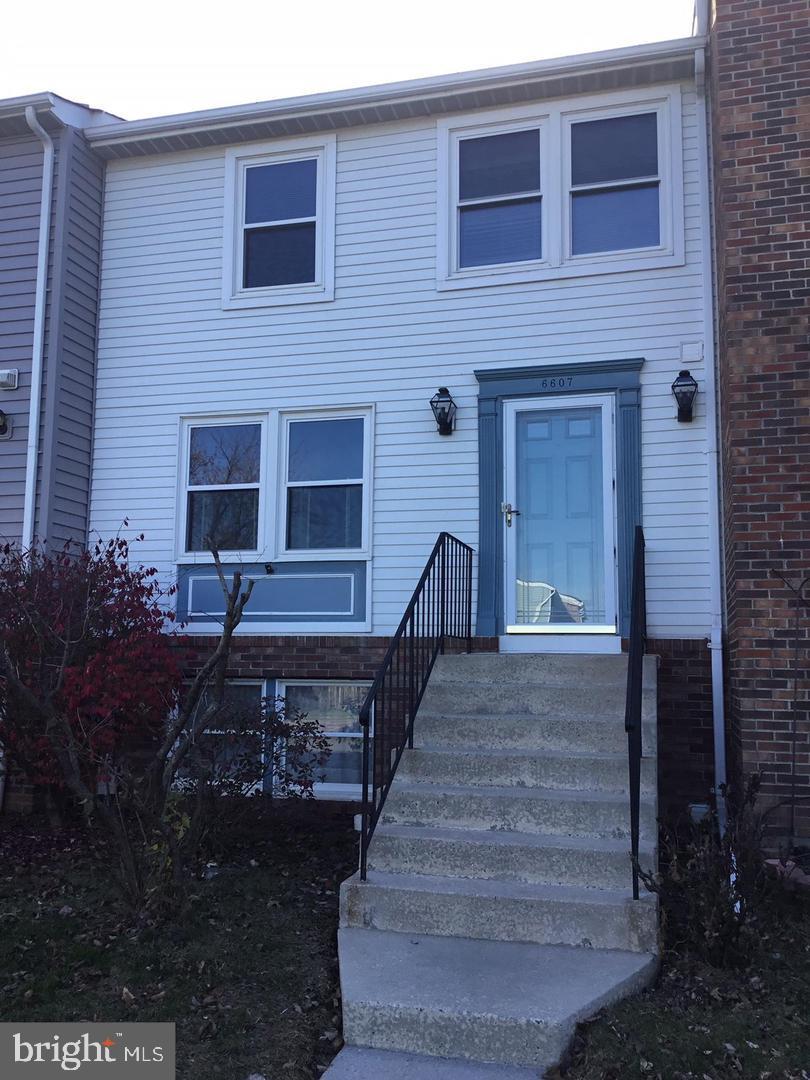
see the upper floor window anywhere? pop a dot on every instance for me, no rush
(615, 184)
(560, 190)
(499, 199)
(281, 224)
(223, 486)
(279, 235)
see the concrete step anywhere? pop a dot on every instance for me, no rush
(522, 768)
(454, 729)
(551, 670)
(500, 911)
(360, 1063)
(485, 1001)
(573, 702)
(507, 856)
(532, 810)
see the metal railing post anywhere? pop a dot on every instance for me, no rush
(442, 592)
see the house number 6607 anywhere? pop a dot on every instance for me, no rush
(552, 384)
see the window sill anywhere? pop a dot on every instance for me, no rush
(343, 555)
(277, 297)
(579, 266)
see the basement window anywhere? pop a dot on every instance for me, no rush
(336, 708)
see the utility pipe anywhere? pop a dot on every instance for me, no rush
(38, 351)
(715, 642)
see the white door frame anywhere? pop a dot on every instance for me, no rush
(563, 401)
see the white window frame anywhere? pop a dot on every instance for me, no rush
(347, 792)
(286, 417)
(554, 120)
(230, 419)
(665, 171)
(237, 161)
(460, 136)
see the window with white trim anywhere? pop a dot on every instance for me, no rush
(223, 476)
(279, 236)
(499, 198)
(560, 189)
(324, 484)
(335, 706)
(615, 184)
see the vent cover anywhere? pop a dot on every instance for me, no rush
(8, 379)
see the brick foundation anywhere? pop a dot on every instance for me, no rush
(685, 725)
(684, 697)
(759, 77)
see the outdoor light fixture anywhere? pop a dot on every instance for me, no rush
(5, 425)
(684, 389)
(444, 409)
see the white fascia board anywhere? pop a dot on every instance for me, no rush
(412, 90)
(67, 112)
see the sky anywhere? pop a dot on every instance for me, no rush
(149, 58)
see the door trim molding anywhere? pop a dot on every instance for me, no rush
(620, 377)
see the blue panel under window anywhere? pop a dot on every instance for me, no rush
(279, 255)
(294, 592)
(326, 450)
(280, 192)
(499, 165)
(619, 148)
(615, 219)
(503, 232)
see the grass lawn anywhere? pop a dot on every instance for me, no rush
(249, 974)
(708, 1024)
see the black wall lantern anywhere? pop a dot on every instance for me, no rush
(444, 409)
(684, 388)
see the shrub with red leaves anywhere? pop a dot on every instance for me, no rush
(86, 665)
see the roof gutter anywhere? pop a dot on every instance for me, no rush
(412, 91)
(38, 350)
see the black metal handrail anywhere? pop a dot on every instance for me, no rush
(635, 686)
(440, 608)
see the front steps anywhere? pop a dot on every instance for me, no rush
(497, 910)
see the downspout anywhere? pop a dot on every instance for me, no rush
(38, 351)
(715, 641)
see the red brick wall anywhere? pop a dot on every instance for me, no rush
(760, 85)
(685, 727)
(311, 656)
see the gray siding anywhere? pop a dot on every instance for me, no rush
(70, 357)
(63, 476)
(20, 191)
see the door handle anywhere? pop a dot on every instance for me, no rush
(508, 512)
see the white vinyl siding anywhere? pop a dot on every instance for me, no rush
(167, 349)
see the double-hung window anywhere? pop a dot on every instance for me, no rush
(223, 473)
(325, 483)
(499, 199)
(279, 235)
(615, 184)
(560, 189)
